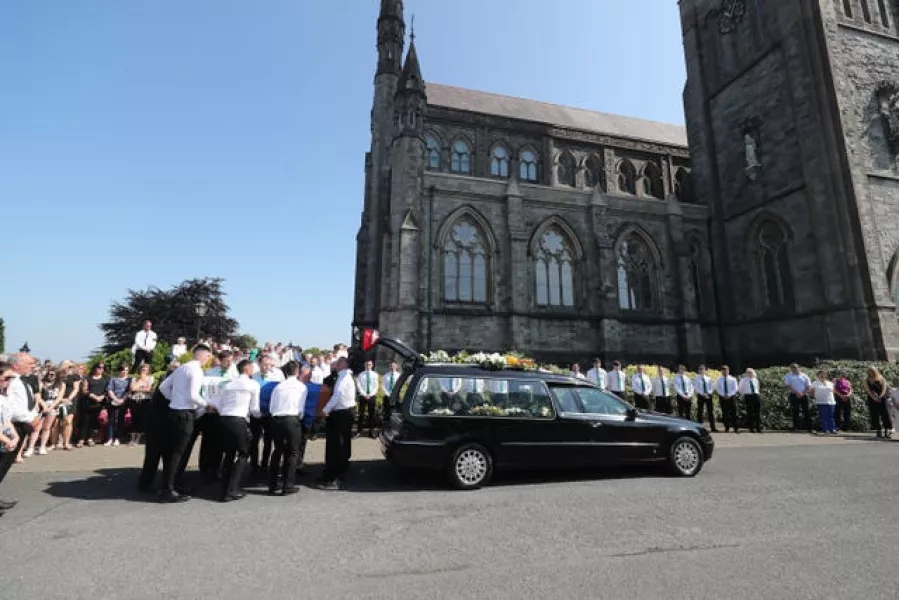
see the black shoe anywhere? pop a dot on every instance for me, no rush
(234, 497)
(290, 491)
(332, 485)
(172, 497)
(183, 490)
(7, 504)
(715, 430)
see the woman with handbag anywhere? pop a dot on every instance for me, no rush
(139, 401)
(93, 400)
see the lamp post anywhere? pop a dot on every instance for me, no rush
(200, 308)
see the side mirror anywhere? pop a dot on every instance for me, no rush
(631, 414)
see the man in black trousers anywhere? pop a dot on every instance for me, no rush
(236, 401)
(154, 442)
(287, 402)
(340, 412)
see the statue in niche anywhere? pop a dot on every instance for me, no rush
(751, 144)
(888, 107)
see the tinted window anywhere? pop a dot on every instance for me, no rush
(481, 397)
(588, 400)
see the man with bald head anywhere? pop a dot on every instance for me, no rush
(20, 398)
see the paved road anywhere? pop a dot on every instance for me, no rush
(798, 521)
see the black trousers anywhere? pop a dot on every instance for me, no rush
(210, 459)
(234, 436)
(799, 404)
(367, 416)
(753, 412)
(684, 407)
(140, 410)
(641, 401)
(260, 431)
(141, 357)
(88, 419)
(705, 402)
(880, 415)
(842, 415)
(301, 458)
(8, 457)
(338, 443)
(287, 435)
(729, 412)
(663, 404)
(154, 444)
(179, 429)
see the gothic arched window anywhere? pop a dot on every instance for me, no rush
(652, 181)
(528, 166)
(554, 268)
(499, 161)
(636, 274)
(461, 157)
(774, 266)
(432, 152)
(566, 169)
(683, 185)
(627, 177)
(465, 263)
(595, 173)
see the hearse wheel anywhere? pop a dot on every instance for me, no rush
(471, 467)
(686, 457)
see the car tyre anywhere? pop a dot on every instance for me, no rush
(471, 467)
(685, 458)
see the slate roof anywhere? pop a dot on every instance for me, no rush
(553, 114)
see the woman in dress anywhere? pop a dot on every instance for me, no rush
(139, 402)
(877, 391)
(93, 399)
(822, 391)
(51, 395)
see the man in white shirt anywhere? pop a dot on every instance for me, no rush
(288, 401)
(316, 374)
(182, 389)
(339, 413)
(598, 375)
(798, 386)
(389, 380)
(367, 385)
(576, 371)
(616, 379)
(144, 344)
(704, 387)
(727, 389)
(661, 389)
(683, 388)
(260, 430)
(751, 392)
(20, 400)
(642, 387)
(235, 402)
(9, 437)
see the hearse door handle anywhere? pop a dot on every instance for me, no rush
(595, 424)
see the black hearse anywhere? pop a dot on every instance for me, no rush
(468, 420)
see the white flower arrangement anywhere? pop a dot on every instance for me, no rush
(438, 356)
(545, 411)
(516, 412)
(442, 412)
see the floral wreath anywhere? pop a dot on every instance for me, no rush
(491, 362)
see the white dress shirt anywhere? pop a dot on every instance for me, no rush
(145, 340)
(388, 381)
(726, 386)
(316, 375)
(598, 376)
(661, 387)
(616, 381)
(367, 384)
(182, 388)
(641, 384)
(229, 373)
(237, 398)
(823, 391)
(703, 385)
(683, 386)
(178, 350)
(344, 395)
(798, 384)
(578, 375)
(273, 375)
(749, 386)
(17, 402)
(288, 398)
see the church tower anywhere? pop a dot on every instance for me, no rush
(375, 215)
(792, 110)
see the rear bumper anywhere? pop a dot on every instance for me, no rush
(414, 454)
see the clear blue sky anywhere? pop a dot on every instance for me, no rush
(144, 142)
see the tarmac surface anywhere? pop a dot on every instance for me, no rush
(771, 516)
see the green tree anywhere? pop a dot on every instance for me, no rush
(244, 341)
(2, 337)
(172, 313)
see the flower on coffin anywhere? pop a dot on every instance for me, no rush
(516, 412)
(486, 410)
(545, 411)
(442, 412)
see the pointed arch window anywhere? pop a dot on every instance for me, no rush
(465, 263)
(432, 152)
(636, 274)
(461, 157)
(652, 181)
(683, 186)
(499, 161)
(774, 266)
(595, 173)
(527, 166)
(567, 169)
(554, 268)
(627, 177)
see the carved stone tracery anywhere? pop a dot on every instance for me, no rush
(888, 109)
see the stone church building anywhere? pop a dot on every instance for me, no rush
(766, 231)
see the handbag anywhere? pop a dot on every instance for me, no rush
(103, 418)
(128, 418)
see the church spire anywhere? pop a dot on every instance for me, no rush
(411, 79)
(391, 35)
(411, 95)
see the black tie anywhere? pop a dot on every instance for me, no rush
(30, 394)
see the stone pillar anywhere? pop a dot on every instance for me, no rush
(518, 268)
(603, 287)
(689, 336)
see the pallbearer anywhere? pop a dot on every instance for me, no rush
(235, 402)
(750, 390)
(598, 375)
(642, 387)
(726, 386)
(683, 387)
(367, 386)
(661, 389)
(387, 383)
(704, 387)
(616, 380)
(288, 402)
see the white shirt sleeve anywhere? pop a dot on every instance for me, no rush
(255, 410)
(195, 377)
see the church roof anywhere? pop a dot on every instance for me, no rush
(554, 114)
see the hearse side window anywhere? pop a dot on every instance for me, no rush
(481, 397)
(588, 400)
